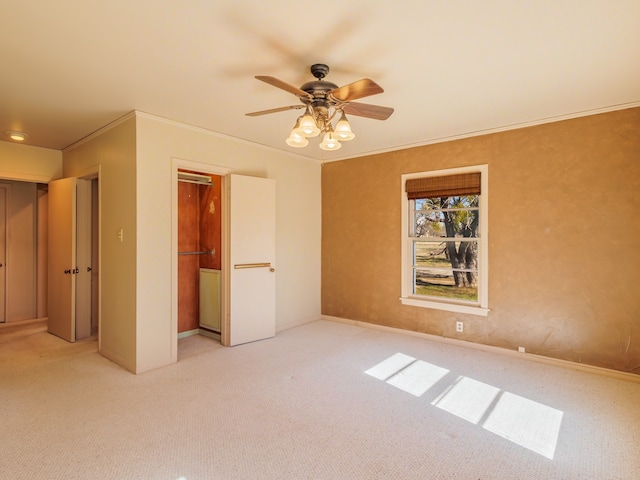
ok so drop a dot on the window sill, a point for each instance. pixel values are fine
(451, 307)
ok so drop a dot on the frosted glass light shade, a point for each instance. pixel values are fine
(296, 140)
(343, 130)
(307, 127)
(329, 142)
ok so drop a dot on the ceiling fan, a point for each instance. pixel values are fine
(323, 102)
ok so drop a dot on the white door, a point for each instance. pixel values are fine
(3, 251)
(62, 258)
(252, 248)
(69, 276)
(83, 259)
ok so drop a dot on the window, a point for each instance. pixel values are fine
(444, 258)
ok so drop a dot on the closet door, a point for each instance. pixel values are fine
(252, 252)
(70, 258)
(62, 258)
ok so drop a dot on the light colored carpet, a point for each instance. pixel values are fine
(321, 401)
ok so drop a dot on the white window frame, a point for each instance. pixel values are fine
(408, 297)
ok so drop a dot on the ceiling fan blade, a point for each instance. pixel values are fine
(365, 110)
(284, 86)
(274, 110)
(359, 89)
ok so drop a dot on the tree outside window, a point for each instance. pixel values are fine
(445, 246)
(444, 259)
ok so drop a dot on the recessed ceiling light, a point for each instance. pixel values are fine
(17, 136)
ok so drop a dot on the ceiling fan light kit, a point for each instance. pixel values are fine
(306, 126)
(296, 140)
(324, 102)
(343, 129)
(329, 142)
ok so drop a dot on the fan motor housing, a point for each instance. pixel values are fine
(318, 88)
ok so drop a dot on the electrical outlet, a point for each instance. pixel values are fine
(459, 327)
(521, 349)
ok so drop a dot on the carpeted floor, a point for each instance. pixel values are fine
(321, 401)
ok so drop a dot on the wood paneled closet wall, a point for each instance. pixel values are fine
(199, 230)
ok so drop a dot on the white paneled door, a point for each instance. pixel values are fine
(67, 300)
(62, 258)
(252, 233)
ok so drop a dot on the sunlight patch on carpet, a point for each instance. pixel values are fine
(530, 424)
(407, 373)
(418, 377)
(527, 423)
(467, 398)
(390, 366)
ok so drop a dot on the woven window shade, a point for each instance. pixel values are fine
(449, 186)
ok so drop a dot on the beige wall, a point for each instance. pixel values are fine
(160, 143)
(113, 152)
(29, 163)
(563, 239)
(26, 279)
(136, 161)
(21, 267)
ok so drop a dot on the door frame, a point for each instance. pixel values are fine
(4, 286)
(182, 164)
(94, 173)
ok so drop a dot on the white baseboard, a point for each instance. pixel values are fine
(630, 377)
(117, 359)
(208, 333)
(188, 333)
(22, 323)
(287, 326)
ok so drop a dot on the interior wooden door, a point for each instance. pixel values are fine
(62, 258)
(252, 215)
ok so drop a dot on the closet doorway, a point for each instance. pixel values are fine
(199, 253)
(243, 217)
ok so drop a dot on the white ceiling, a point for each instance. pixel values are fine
(449, 68)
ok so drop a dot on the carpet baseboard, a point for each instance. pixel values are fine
(295, 324)
(208, 333)
(22, 328)
(629, 377)
(117, 359)
(188, 333)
